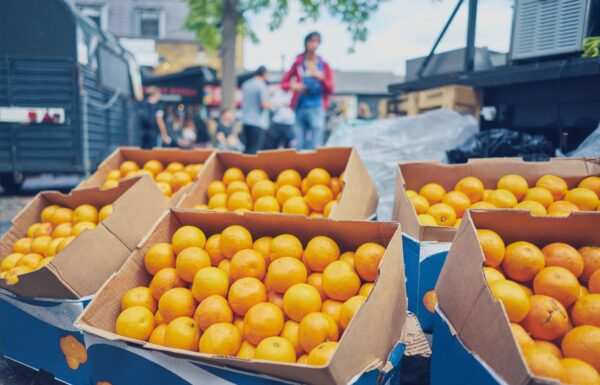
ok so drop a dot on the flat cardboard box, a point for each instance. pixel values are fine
(368, 340)
(359, 198)
(425, 247)
(82, 267)
(464, 296)
(141, 156)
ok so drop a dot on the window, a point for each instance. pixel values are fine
(96, 12)
(150, 23)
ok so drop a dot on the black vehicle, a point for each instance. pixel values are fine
(68, 91)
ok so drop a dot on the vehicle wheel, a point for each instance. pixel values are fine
(12, 183)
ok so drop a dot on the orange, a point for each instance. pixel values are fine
(366, 260)
(139, 296)
(61, 215)
(246, 351)
(444, 214)
(335, 185)
(591, 261)
(534, 207)
(224, 266)
(321, 354)
(320, 252)
(285, 245)
(539, 194)
(433, 192)
(263, 188)
(349, 309)
(426, 220)
(245, 293)
(316, 280)
(482, 205)
(516, 184)
(275, 349)
(189, 261)
(286, 192)
(213, 248)
(289, 177)
(210, 281)
(549, 347)
(556, 185)
(233, 239)
(547, 318)
(187, 236)
(420, 204)
(82, 226)
(255, 176)
(594, 283)
(318, 196)
(215, 187)
(522, 261)
(295, 205)
(33, 228)
(164, 177)
(247, 263)
(165, 189)
(104, 212)
(492, 275)
(459, 201)
(128, 166)
(153, 165)
(212, 310)
(318, 176)
(261, 321)
(562, 206)
(64, 243)
(332, 308)
(10, 261)
(236, 186)
(30, 260)
(175, 303)
(348, 256)
(558, 213)
(135, 322)
(578, 372)
(586, 310)
(158, 335)
(239, 200)
(561, 254)
(175, 167)
(584, 198)
(301, 299)
(492, 246)
(512, 296)
(285, 272)
(47, 213)
(366, 289)
(193, 169)
(221, 339)
(411, 193)
(275, 298)
(339, 281)
(12, 276)
(267, 204)
(232, 174)
(558, 283)
(430, 300)
(583, 342)
(182, 333)
(503, 199)
(316, 328)
(592, 183)
(521, 336)
(159, 256)
(263, 245)
(86, 213)
(472, 187)
(110, 184)
(41, 229)
(542, 363)
(328, 207)
(290, 333)
(163, 281)
(40, 244)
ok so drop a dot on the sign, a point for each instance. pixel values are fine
(28, 115)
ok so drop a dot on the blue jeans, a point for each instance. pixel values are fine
(309, 129)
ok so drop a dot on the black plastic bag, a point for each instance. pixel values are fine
(500, 142)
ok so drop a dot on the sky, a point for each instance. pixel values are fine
(399, 30)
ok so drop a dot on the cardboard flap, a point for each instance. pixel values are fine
(40, 283)
(358, 187)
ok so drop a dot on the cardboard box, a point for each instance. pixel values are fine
(141, 156)
(366, 343)
(358, 201)
(479, 321)
(425, 247)
(40, 310)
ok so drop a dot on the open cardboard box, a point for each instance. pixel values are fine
(141, 156)
(359, 198)
(372, 334)
(425, 247)
(82, 267)
(465, 299)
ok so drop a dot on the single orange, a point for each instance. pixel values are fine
(232, 174)
(584, 198)
(182, 333)
(40, 244)
(339, 281)
(245, 293)
(210, 281)
(522, 261)
(503, 199)
(591, 261)
(153, 165)
(482, 205)
(189, 261)
(426, 220)
(349, 309)
(81, 227)
(318, 196)
(165, 188)
(516, 184)
(159, 256)
(158, 335)
(275, 348)
(366, 289)
(110, 184)
(239, 200)
(221, 339)
(321, 354)
(594, 282)
(534, 207)
(164, 177)
(555, 184)
(433, 192)
(289, 177)
(261, 321)
(547, 318)
(420, 204)
(139, 296)
(521, 336)
(246, 351)
(255, 176)
(558, 283)
(318, 176)
(165, 280)
(235, 238)
(336, 186)
(42, 229)
(515, 300)
(328, 207)
(136, 322)
(578, 372)
(320, 252)
(444, 214)
(430, 300)
(285, 272)
(128, 166)
(176, 302)
(212, 310)
(247, 263)
(366, 260)
(236, 186)
(332, 308)
(10, 261)
(86, 213)
(213, 248)
(472, 187)
(301, 299)
(492, 246)
(540, 195)
(263, 188)
(263, 245)
(586, 310)
(215, 187)
(105, 212)
(563, 255)
(30, 260)
(290, 333)
(563, 206)
(550, 347)
(492, 275)
(542, 363)
(296, 205)
(187, 236)
(459, 201)
(285, 245)
(316, 328)
(592, 183)
(267, 204)
(47, 213)
(583, 342)
(316, 281)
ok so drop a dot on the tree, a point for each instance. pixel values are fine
(218, 22)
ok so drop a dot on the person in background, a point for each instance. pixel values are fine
(254, 110)
(186, 136)
(364, 112)
(311, 79)
(153, 122)
(280, 132)
(202, 135)
(227, 136)
(172, 127)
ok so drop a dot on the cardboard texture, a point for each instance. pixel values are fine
(358, 201)
(465, 299)
(141, 156)
(82, 267)
(367, 341)
(425, 247)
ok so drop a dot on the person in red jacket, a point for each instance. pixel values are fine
(311, 79)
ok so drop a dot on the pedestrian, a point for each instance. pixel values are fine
(311, 79)
(280, 132)
(255, 106)
(152, 120)
(227, 135)
(202, 134)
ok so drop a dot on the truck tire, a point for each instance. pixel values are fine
(12, 183)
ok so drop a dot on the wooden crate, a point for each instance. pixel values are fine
(457, 98)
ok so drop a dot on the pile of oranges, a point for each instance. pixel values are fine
(314, 195)
(549, 196)
(552, 299)
(169, 180)
(58, 226)
(268, 299)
